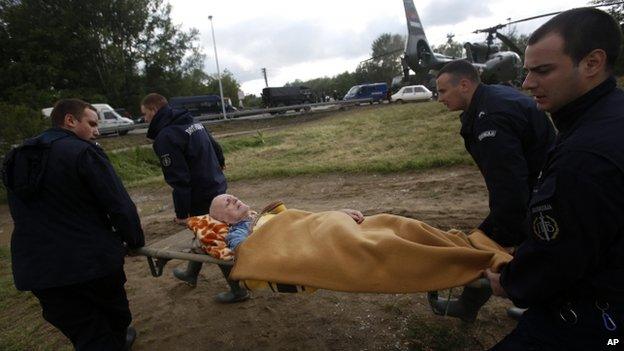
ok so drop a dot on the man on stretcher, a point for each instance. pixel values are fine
(239, 217)
(339, 250)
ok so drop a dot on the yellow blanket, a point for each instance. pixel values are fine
(385, 254)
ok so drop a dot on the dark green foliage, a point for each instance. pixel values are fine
(98, 50)
(385, 64)
(18, 122)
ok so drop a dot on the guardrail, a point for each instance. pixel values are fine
(281, 109)
(218, 117)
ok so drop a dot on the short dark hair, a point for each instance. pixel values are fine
(460, 69)
(154, 101)
(583, 30)
(74, 107)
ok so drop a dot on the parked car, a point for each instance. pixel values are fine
(109, 121)
(412, 93)
(376, 91)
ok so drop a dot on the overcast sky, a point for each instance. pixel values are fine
(311, 39)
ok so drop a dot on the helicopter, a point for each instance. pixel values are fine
(493, 64)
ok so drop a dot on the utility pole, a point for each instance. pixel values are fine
(266, 83)
(214, 43)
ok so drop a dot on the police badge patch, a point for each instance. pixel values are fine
(545, 227)
(165, 160)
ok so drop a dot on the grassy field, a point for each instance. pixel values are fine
(386, 139)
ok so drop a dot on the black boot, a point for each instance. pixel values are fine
(466, 307)
(188, 275)
(236, 293)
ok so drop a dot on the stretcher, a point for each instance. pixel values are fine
(177, 246)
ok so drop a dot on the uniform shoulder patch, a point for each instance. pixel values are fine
(165, 160)
(545, 226)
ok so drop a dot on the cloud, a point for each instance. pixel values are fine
(444, 12)
(278, 44)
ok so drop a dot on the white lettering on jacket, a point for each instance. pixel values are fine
(192, 129)
(487, 134)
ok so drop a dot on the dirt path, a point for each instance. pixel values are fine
(171, 316)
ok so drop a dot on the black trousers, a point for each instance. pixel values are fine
(94, 315)
(543, 329)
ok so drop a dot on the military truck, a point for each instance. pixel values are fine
(286, 96)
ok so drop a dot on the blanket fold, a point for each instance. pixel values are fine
(384, 254)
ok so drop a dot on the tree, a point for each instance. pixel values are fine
(229, 83)
(98, 50)
(520, 40)
(451, 47)
(385, 62)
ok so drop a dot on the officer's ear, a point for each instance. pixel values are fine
(70, 121)
(595, 63)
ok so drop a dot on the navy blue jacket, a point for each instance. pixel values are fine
(72, 227)
(508, 138)
(191, 161)
(576, 246)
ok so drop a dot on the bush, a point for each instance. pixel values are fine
(17, 123)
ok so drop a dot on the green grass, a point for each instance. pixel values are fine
(388, 139)
(21, 324)
(382, 140)
(135, 165)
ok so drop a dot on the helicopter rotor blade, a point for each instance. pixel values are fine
(510, 43)
(382, 55)
(500, 26)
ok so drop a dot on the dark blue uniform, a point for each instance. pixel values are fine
(191, 161)
(570, 272)
(508, 138)
(72, 216)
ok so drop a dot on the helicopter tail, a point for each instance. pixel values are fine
(417, 50)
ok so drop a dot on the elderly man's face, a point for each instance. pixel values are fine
(229, 209)
(553, 78)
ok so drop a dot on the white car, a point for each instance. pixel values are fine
(412, 93)
(109, 121)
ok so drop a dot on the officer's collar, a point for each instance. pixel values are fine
(468, 115)
(161, 120)
(566, 117)
(55, 133)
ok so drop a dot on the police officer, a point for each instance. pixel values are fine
(192, 163)
(508, 138)
(570, 271)
(74, 223)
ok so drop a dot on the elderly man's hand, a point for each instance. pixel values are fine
(495, 284)
(357, 216)
(180, 221)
